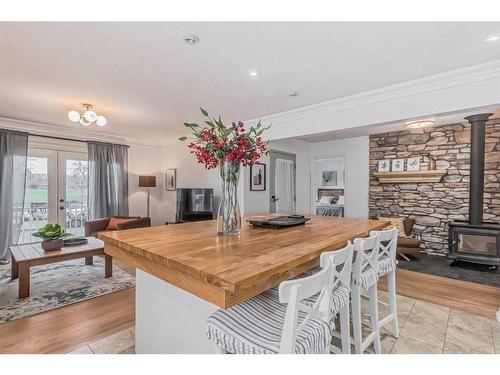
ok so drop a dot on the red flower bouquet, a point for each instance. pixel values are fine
(216, 145)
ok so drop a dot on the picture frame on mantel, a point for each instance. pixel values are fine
(398, 165)
(171, 179)
(258, 177)
(413, 164)
(384, 165)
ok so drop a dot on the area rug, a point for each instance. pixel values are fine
(59, 284)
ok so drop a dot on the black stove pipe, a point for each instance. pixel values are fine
(476, 189)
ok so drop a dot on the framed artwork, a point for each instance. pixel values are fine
(258, 177)
(384, 166)
(413, 164)
(170, 179)
(398, 165)
(329, 178)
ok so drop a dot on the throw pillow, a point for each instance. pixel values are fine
(396, 222)
(325, 200)
(114, 221)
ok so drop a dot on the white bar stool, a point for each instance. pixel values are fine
(341, 261)
(387, 265)
(268, 324)
(365, 278)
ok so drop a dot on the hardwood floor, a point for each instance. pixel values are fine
(475, 298)
(64, 329)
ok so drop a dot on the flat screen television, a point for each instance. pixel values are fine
(194, 204)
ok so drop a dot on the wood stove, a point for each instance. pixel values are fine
(476, 241)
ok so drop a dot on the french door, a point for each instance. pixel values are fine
(55, 192)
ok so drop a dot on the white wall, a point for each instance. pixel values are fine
(257, 202)
(145, 161)
(356, 154)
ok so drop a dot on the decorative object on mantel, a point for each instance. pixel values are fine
(171, 179)
(216, 145)
(384, 165)
(147, 182)
(432, 162)
(258, 177)
(52, 236)
(398, 165)
(88, 118)
(409, 176)
(413, 164)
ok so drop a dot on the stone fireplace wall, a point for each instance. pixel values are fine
(433, 205)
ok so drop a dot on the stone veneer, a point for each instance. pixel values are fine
(434, 205)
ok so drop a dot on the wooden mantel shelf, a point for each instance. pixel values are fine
(409, 176)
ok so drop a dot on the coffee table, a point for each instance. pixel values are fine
(29, 255)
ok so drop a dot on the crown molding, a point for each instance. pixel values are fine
(459, 77)
(51, 130)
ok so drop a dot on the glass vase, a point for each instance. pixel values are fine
(229, 215)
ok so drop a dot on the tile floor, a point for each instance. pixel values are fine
(425, 328)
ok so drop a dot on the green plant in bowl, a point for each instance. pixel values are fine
(52, 235)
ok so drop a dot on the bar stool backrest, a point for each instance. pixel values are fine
(292, 292)
(341, 259)
(388, 242)
(365, 256)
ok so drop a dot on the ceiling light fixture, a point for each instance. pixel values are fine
(253, 73)
(88, 118)
(293, 94)
(420, 124)
(492, 38)
(191, 39)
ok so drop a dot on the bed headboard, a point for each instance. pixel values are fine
(330, 193)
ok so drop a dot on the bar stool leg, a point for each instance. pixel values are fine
(374, 322)
(344, 329)
(391, 281)
(356, 318)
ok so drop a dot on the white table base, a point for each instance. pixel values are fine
(169, 319)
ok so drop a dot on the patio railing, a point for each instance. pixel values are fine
(35, 215)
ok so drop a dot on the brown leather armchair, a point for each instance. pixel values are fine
(93, 227)
(408, 245)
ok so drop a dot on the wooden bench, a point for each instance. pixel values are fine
(28, 255)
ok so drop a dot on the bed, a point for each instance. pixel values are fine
(330, 202)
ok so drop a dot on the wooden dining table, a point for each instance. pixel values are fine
(186, 271)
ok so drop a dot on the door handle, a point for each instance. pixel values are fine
(61, 207)
(274, 199)
(61, 200)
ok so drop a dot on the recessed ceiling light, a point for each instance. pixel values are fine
(191, 39)
(420, 124)
(253, 73)
(492, 38)
(293, 94)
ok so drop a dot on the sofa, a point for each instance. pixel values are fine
(93, 227)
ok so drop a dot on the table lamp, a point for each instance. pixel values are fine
(147, 182)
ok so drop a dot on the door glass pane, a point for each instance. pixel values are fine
(76, 196)
(35, 199)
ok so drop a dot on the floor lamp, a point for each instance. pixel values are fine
(147, 182)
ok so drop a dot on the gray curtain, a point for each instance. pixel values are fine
(13, 157)
(108, 180)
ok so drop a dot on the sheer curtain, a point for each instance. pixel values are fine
(108, 180)
(284, 185)
(13, 157)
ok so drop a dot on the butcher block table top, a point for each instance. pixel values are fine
(226, 270)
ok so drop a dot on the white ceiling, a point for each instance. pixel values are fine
(446, 119)
(147, 81)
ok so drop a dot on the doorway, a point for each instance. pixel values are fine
(282, 182)
(55, 192)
